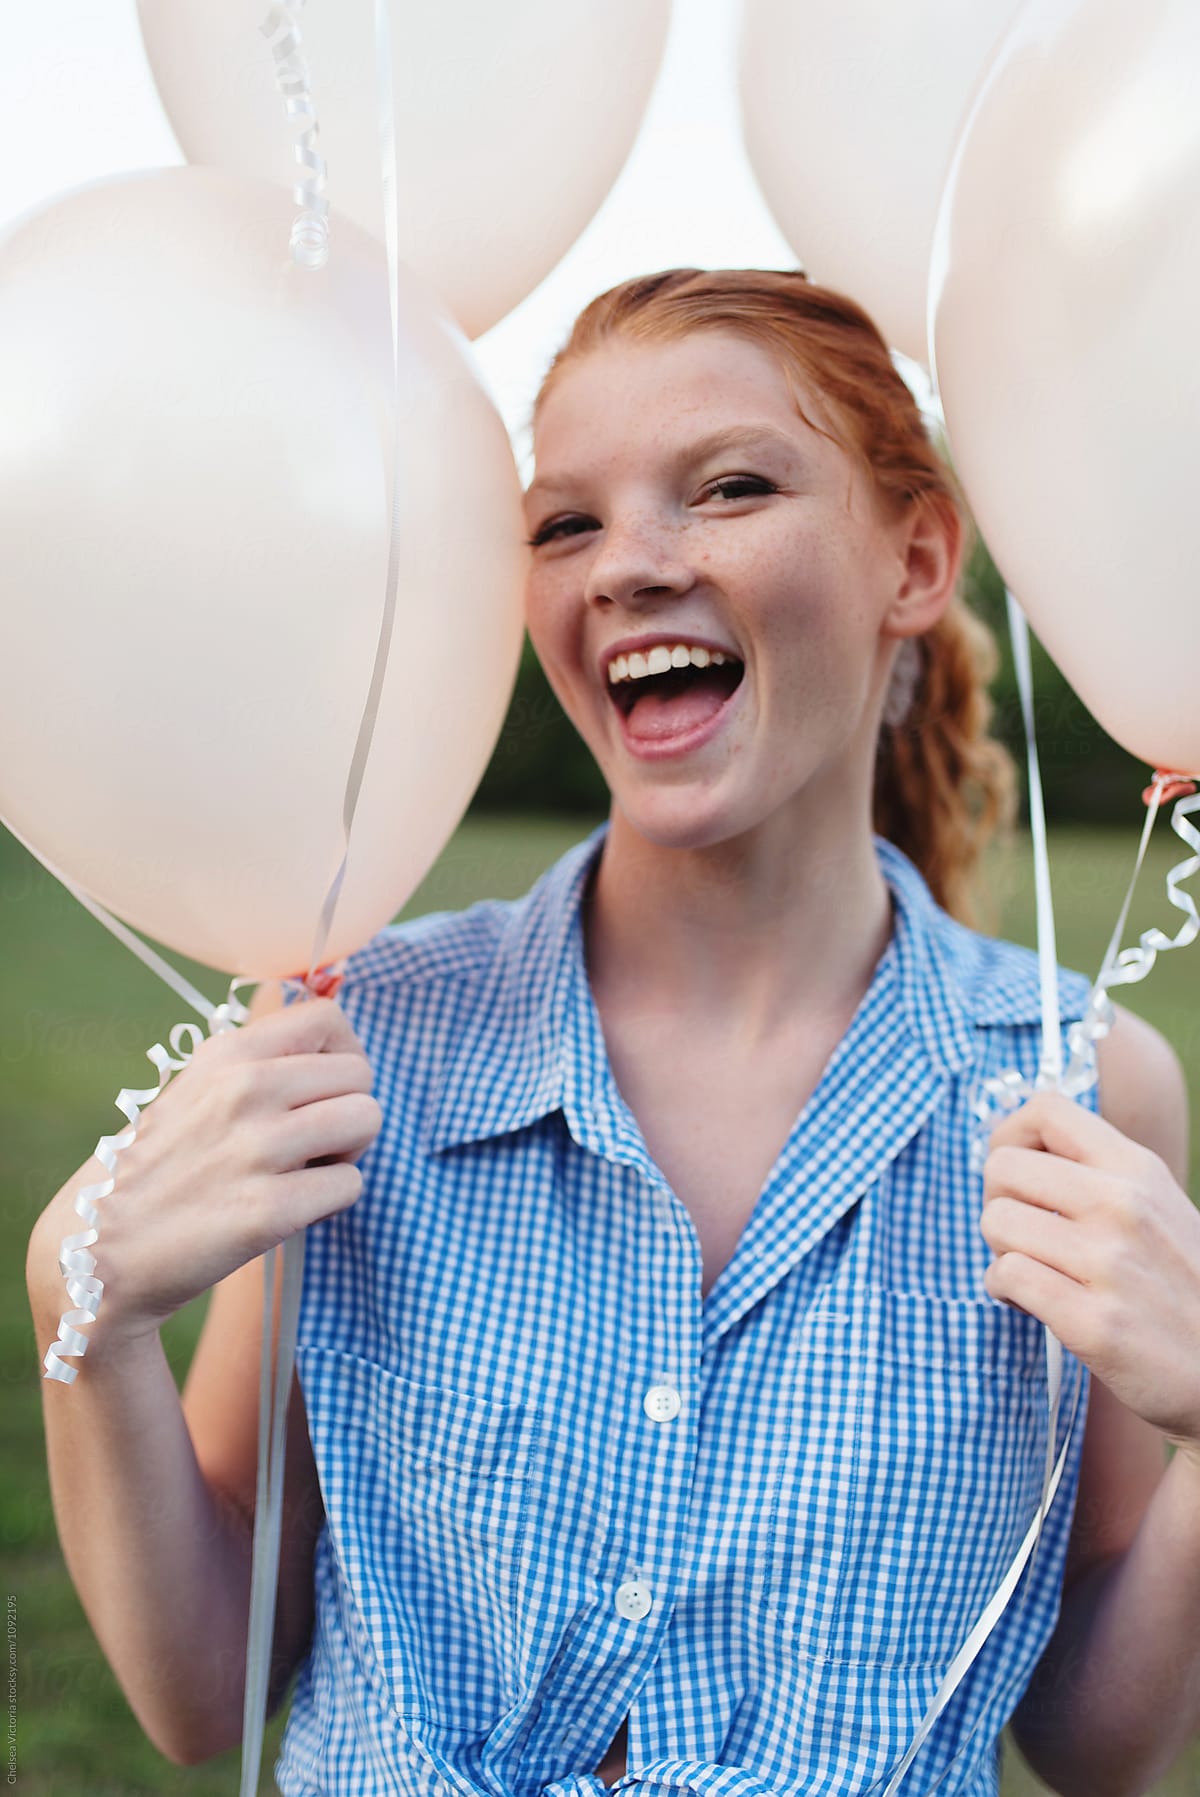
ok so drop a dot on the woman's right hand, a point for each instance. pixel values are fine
(256, 1138)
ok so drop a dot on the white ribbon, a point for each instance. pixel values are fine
(76, 1263)
(1006, 1091)
(271, 1440)
(310, 232)
(1121, 967)
(309, 246)
(309, 243)
(1051, 1061)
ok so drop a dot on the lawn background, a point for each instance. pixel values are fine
(78, 1013)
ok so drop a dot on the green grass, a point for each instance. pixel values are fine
(79, 1012)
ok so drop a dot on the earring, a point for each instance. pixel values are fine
(906, 678)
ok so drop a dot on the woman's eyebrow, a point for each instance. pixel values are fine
(735, 436)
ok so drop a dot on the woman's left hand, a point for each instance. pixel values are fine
(1094, 1237)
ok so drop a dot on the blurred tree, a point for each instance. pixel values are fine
(540, 762)
(1086, 776)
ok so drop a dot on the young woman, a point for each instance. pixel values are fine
(671, 1394)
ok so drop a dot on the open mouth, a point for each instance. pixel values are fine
(679, 699)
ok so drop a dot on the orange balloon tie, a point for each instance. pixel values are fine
(324, 982)
(1176, 786)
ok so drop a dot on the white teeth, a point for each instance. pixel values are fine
(662, 657)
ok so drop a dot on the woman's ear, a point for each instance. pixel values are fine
(930, 544)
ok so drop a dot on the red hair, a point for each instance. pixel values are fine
(943, 785)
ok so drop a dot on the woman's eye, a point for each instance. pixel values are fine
(754, 482)
(734, 486)
(551, 530)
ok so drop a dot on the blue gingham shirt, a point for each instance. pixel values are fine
(561, 1486)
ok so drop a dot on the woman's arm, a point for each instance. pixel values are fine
(220, 1404)
(153, 1497)
(157, 1561)
(1115, 1698)
(157, 1545)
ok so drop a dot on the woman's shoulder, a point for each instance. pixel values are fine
(458, 947)
(437, 946)
(1001, 980)
(996, 981)
(1144, 1089)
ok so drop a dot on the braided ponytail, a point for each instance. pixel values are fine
(943, 785)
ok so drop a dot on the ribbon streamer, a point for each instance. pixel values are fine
(75, 1261)
(154, 961)
(78, 1266)
(310, 232)
(1049, 1074)
(1121, 967)
(1006, 1091)
(993, 1610)
(269, 1487)
(309, 246)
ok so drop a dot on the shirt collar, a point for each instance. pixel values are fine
(520, 1055)
(534, 1043)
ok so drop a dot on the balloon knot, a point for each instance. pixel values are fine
(1168, 786)
(324, 981)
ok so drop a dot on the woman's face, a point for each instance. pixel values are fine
(679, 499)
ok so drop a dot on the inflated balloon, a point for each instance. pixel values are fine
(195, 473)
(512, 122)
(849, 112)
(1063, 313)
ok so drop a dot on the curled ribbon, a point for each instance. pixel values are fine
(1008, 1090)
(310, 232)
(1005, 1092)
(309, 245)
(1121, 967)
(268, 1507)
(310, 249)
(77, 1263)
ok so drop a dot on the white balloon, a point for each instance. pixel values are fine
(1063, 296)
(195, 471)
(849, 111)
(512, 122)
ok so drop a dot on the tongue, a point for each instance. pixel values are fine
(659, 714)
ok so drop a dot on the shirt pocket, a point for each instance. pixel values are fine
(426, 1494)
(912, 1470)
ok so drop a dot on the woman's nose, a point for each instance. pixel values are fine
(639, 559)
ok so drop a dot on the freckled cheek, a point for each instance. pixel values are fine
(544, 611)
(804, 650)
(797, 610)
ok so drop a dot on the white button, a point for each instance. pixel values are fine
(633, 1599)
(661, 1403)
